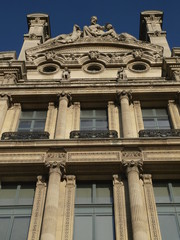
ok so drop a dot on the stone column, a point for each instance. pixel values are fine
(138, 213)
(4, 102)
(64, 100)
(38, 209)
(51, 209)
(119, 209)
(124, 98)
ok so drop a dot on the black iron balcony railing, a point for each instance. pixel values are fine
(160, 133)
(24, 135)
(94, 134)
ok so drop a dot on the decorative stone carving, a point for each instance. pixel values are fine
(131, 155)
(24, 135)
(130, 165)
(160, 133)
(10, 78)
(55, 159)
(50, 55)
(69, 208)
(37, 21)
(125, 94)
(66, 74)
(176, 75)
(38, 209)
(66, 96)
(94, 55)
(151, 208)
(119, 209)
(137, 53)
(94, 134)
(121, 75)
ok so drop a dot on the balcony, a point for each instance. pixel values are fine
(94, 134)
(24, 135)
(160, 133)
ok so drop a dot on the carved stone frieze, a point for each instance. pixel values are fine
(21, 158)
(93, 157)
(131, 155)
(161, 155)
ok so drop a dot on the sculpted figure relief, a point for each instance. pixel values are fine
(93, 31)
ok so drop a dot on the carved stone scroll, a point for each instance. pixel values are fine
(69, 208)
(151, 208)
(119, 209)
(38, 208)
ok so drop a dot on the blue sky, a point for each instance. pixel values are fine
(123, 15)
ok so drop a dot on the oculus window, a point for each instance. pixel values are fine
(156, 118)
(32, 121)
(16, 202)
(95, 119)
(167, 196)
(94, 218)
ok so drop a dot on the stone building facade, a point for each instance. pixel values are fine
(90, 134)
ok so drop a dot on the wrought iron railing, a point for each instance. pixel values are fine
(94, 134)
(159, 133)
(24, 135)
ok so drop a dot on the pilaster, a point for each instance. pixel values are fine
(4, 104)
(138, 115)
(38, 209)
(119, 209)
(12, 118)
(174, 114)
(76, 116)
(51, 120)
(151, 208)
(68, 222)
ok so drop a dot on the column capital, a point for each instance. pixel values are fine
(124, 94)
(132, 165)
(117, 180)
(40, 181)
(147, 178)
(65, 96)
(56, 162)
(70, 180)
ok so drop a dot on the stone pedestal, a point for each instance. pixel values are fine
(138, 213)
(62, 116)
(52, 200)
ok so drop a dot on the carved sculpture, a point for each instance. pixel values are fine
(66, 73)
(121, 75)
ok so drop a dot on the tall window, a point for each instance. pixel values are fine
(94, 212)
(167, 195)
(155, 118)
(16, 202)
(32, 121)
(95, 119)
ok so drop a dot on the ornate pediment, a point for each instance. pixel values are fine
(89, 38)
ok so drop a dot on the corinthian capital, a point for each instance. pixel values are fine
(133, 165)
(65, 96)
(124, 94)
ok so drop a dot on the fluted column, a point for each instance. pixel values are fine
(124, 98)
(64, 99)
(138, 214)
(51, 209)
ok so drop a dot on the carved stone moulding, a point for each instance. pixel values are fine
(24, 135)
(160, 133)
(94, 134)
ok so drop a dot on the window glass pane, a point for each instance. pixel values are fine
(147, 112)
(7, 195)
(103, 193)
(39, 125)
(26, 195)
(161, 112)
(161, 193)
(83, 228)
(101, 125)
(176, 191)
(24, 124)
(163, 123)
(168, 226)
(101, 113)
(86, 124)
(104, 229)
(20, 228)
(27, 114)
(40, 114)
(149, 124)
(83, 193)
(4, 225)
(87, 113)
